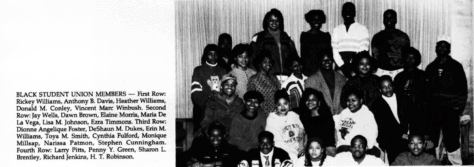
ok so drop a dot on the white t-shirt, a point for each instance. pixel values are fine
(346, 159)
(288, 131)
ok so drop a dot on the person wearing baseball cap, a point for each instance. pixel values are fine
(225, 105)
(448, 96)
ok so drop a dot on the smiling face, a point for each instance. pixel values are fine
(358, 148)
(283, 106)
(443, 49)
(266, 64)
(242, 60)
(273, 23)
(312, 102)
(251, 106)
(364, 67)
(211, 57)
(228, 87)
(265, 145)
(416, 145)
(326, 63)
(316, 22)
(315, 150)
(354, 103)
(216, 137)
(387, 88)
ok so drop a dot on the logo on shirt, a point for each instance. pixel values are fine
(291, 133)
(346, 126)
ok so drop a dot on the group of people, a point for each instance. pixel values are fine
(260, 104)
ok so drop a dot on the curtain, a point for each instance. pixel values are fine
(199, 23)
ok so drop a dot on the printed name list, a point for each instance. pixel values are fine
(86, 125)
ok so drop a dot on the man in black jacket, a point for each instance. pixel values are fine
(267, 154)
(448, 96)
(389, 114)
(213, 150)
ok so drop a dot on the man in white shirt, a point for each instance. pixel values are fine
(348, 38)
(357, 156)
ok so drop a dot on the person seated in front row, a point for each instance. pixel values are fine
(417, 154)
(355, 120)
(249, 123)
(266, 154)
(213, 150)
(357, 155)
(315, 154)
(286, 126)
(294, 85)
(224, 106)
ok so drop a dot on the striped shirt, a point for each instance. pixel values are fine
(356, 39)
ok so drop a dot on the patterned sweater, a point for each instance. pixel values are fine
(267, 86)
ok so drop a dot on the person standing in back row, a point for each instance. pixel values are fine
(276, 41)
(388, 44)
(348, 39)
(313, 40)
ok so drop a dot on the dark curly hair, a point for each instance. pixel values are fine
(414, 52)
(310, 15)
(281, 94)
(324, 51)
(323, 107)
(361, 55)
(240, 49)
(252, 94)
(289, 62)
(260, 57)
(352, 91)
(276, 13)
(222, 37)
(208, 48)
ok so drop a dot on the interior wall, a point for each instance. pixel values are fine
(462, 50)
